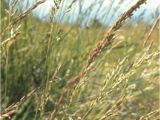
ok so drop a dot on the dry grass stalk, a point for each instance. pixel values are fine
(9, 39)
(111, 32)
(151, 115)
(57, 3)
(151, 30)
(107, 40)
(21, 16)
(48, 86)
(12, 109)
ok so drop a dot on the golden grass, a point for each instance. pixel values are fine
(56, 72)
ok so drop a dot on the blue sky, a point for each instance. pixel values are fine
(105, 11)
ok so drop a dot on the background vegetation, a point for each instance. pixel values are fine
(39, 58)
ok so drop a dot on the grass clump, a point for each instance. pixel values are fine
(55, 71)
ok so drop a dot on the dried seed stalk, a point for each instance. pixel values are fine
(12, 109)
(151, 30)
(23, 15)
(107, 40)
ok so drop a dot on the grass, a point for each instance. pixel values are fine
(58, 71)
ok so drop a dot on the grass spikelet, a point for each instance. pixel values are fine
(100, 46)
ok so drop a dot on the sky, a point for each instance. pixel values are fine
(105, 11)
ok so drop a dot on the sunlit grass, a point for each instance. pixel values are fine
(121, 83)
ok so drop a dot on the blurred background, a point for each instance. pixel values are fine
(103, 11)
